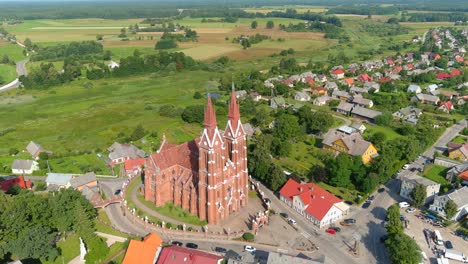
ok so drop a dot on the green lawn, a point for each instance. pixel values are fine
(7, 73)
(80, 164)
(436, 173)
(13, 51)
(345, 194)
(389, 133)
(459, 139)
(70, 248)
(302, 158)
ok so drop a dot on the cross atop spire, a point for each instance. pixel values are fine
(210, 115)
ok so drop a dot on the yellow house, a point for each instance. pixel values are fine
(458, 151)
(337, 142)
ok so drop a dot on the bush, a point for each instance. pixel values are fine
(170, 110)
(40, 186)
(13, 151)
(248, 236)
(166, 44)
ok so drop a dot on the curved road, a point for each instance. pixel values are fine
(20, 70)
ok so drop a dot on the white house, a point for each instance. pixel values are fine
(413, 88)
(113, 65)
(410, 179)
(314, 203)
(302, 96)
(61, 180)
(322, 100)
(24, 166)
(459, 196)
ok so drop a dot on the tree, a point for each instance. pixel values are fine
(286, 127)
(34, 242)
(245, 43)
(340, 171)
(99, 37)
(13, 151)
(254, 24)
(5, 59)
(193, 114)
(383, 119)
(166, 44)
(403, 249)
(197, 95)
(28, 44)
(43, 156)
(451, 209)
(318, 173)
(395, 226)
(138, 133)
(270, 24)
(418, 195)
(97, 250)
(277, 177)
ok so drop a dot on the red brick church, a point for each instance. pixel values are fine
(207, 176)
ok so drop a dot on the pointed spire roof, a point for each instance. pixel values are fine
(234, 113)
(210, 115)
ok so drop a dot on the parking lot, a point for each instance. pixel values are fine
(416, 230)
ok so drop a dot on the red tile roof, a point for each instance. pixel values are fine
(337, 71)
(464, 175)
(349, 81)
(365, 77)
(317, 200)
(385, 79)
(185, 155)
(20, 181)
(443, 76)
(455, 72)
(134, 163)
(143, 252)
(410, 66)
(447, 104)
(180, 255)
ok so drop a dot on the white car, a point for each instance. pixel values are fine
(292, 221)
(249, 248)
(411, 210)
(404, 204)
(406, 166)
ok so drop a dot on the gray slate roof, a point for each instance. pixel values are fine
(355, 143)
(118, 150)
(459, 196)
(83, 179)
(58, 178)
(345, 106)
(407, 175)
(22, 164)
(364, 112)
(34, 149)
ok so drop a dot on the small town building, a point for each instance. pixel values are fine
(302, 96)
(314, 203)
(8, 182)
(364, 78)
(458, 151)
(331, 86)
(59, 180)
(80, 181)
(241, 94)
(256, 96)
(24, 166)
(431, 88)
(427, 98)
(250, 130)
(277, 102)
(34, 149)
(341, 95)
(363, 102)
(413, 88)
(372, 86)
(410, 114)
(144, 252)
(358, 90)
(410, 179)
(364, 113)
(447, 106)
(344, 108)
(348, 81)
(113, 65)
(337, 74)
(336, 142)
(322, 100)
(134, 167)
(119, 153)
(459, 197)
(182, 255)
(359, 126)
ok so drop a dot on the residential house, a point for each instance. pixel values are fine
(413, 88)
(347, 129)
(344, 108)
(308, 80)
(288, 82)
(372, 86)
(455, 72)
(459, 197)
(176, 255)
(322, 78)
(119, 153)
(458, 151)
(322, 100)
(358, 126)
(357, 90)
(144, 252)
(363, 102)
(279, 258)
(397, 69)
(443, 76)
(34, 149)
(427, 98)
(58, 180)
(364, 113)
(337, 142)
(80, 181)
(348, 81)
(341, 95)
(449, 94)
(241, 94)
(277, 102)
(364, 78)
(250, 130)
(390, 61)
(337, 74)
(256, 96)
(408, 67)
(410, 179)
(9, 182)
(318, 91)
(331, 86)
(24, 166)
(431, 88)
(409, 57)
(302, 96)
(447, 106)
(314, 203)
(134, 167)
(409, 114)
(113, 65)
(464, 177)
(456, 171)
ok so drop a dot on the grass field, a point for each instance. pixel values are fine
(436, 173)
(389, 133)
(303, 157)
(15, 53)
(7, 73)
(460, 139)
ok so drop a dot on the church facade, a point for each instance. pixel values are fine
(207, 176)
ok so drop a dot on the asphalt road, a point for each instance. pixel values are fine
(20, 70)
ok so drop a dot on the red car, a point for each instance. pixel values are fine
(331, 231)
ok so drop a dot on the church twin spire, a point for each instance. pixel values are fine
(233, 113)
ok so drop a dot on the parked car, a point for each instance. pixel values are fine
(337, 229)
(404, 204)
(402, 217)
(249, 248)
(331, 231)
(177, 243)
(406, 166)
(448, 244)
(371, 198)
(118, 192)
(381, 190)
(285, 215)
(191, 245)
(220, 250)
(343, 223)
(267, 200)
(292, 221)
(366, 205)
(350, 221)
(411, 210)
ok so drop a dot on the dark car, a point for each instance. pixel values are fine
(267, 200)
(448, 244)
(118, 192)
(337, 229)
(381, 190)
(383, 238)
(371, 198)
(350, 221)
(220, 250)
(285, 215)
(402, 217)
(191, 245)
(177, 243)
(366, 205)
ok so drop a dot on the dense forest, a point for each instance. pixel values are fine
(437, 17)
(364, 10)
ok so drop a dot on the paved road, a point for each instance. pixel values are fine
(445, 138)
(20, 70)
(21, 67)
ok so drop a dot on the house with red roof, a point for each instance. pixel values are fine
(390, 61)
(134, 167)
(314, 203)
(181, 255)
(348, 81)
(385, 79)
(397, 69)
(337, 74)
(443, 75)
(408, 67)
(455, 72)
(364, 78)
(143, 252)
(16, 181)
(446, 106)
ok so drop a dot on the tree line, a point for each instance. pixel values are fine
(364, 10)
(67, 50)
(437, 17)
